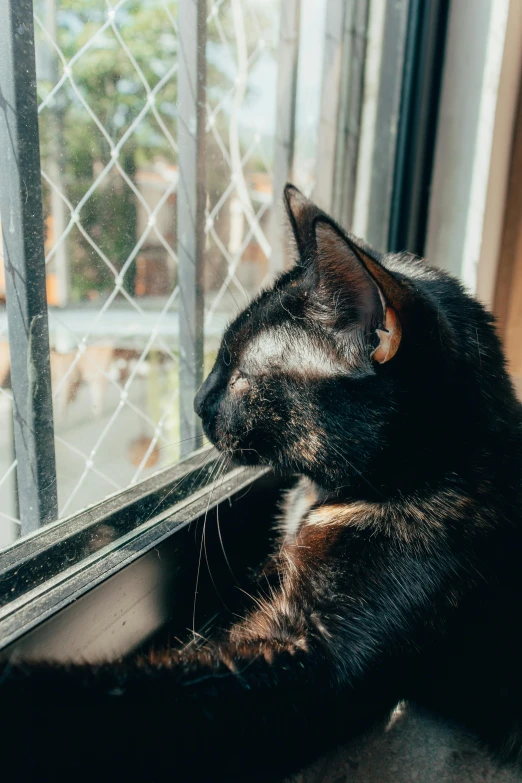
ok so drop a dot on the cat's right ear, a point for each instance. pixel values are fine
(301, 213)
(352, 289)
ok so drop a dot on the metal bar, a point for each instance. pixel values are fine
(55, 163)
(416, 135)
(21, 210)
(433, 51)
(402, 152)
(12, 458)
(350, 111)
(387, 121)
(191, 207)
(287, 61)
(330, 103)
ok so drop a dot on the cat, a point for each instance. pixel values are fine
(397, 575)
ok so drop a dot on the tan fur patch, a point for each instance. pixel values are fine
(339, 514)
(410, 520)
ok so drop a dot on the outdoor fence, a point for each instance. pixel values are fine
(143, 165)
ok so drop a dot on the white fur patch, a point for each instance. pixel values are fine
(298, 502)
(293, 351)
(411, 267)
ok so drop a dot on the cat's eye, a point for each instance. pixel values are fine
(238, 382)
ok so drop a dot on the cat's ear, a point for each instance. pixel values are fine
(352, 287)
(301, 213)
(350, 284)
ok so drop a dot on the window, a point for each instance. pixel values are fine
(156, 193)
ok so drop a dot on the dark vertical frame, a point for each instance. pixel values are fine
(191, 207)
(22, 226)
(422, 79)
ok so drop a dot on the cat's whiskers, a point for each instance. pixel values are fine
(213, 471)
(215, 468)
(242, 450)
(222, 475)
(218, 471)
(221, 541)
(175, 487)
(172, 443)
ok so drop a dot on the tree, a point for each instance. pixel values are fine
(115, 86)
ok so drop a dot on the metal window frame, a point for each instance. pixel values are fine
(192, 25)
(23, 240)
(179, 581)
(421, 87)
(107, 537)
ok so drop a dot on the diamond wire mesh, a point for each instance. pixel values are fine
(107, 92)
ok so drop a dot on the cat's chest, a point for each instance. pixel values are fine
(296, 506)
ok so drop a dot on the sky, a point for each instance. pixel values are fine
(259, 113)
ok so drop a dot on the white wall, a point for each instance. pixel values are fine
(478, 102)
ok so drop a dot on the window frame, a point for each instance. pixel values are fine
(31, 569)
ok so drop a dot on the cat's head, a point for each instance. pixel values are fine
(347, 370)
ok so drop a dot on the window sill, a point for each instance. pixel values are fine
(123, 585)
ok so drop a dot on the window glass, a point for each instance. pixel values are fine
(107, 81)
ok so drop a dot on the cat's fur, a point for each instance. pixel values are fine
(398, 572)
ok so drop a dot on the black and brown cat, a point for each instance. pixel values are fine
(398, 573)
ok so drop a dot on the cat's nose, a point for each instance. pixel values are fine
(204, 392)
(199, 400)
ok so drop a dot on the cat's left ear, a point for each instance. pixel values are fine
(353, 287)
